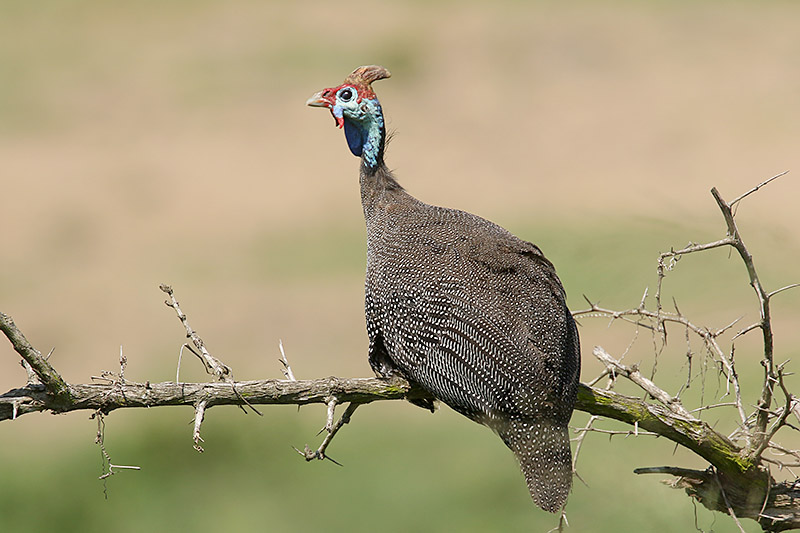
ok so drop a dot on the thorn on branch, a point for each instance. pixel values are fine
(199, 415)
(111, 471)
(123, 362)
(287, 370)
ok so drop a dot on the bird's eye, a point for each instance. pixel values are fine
(346, 95)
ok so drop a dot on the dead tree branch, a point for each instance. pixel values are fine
(737, 482)
(46, 375)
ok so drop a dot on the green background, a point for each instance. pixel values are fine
(168, 142)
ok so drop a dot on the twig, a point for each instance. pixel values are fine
(562, 523)
(111, 468)
(757, 187)
(706, 407)
(319, 453)
(786, 288)
(632, 373)
(785, 412)
(746, 330)
(628, 433)
(213, 365)
(579, 440)
(764, 402)
(108, 467)
(661, 317)
(674, 471)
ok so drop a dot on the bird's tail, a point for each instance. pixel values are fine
(542, 449)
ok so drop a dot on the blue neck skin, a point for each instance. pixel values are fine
(366, 134)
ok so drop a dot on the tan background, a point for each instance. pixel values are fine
(168, 142)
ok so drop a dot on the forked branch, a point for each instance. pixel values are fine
(737, 483)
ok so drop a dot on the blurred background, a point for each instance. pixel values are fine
(168, 142)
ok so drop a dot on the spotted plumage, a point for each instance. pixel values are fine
(458, 305)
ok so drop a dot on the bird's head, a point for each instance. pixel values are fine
(355, 108)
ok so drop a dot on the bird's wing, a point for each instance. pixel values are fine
(466, 357)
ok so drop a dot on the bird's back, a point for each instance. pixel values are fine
(477, 317)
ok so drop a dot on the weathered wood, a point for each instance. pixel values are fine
(113, 395)
(693, 434)
(44, 371)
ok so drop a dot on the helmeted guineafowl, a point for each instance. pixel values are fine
(463, 308)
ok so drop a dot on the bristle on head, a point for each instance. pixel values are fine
(364, 76)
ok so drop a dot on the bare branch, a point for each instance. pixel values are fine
(108, 396)
(214, 366)
(786, 288)
(661, 317)
(47, 375)
(738, 483)
(332, 429)
(612, 433)
(765, 442)
(632, 373)
(757, 187)
(764, 403)
(579, 440)
(695, 435)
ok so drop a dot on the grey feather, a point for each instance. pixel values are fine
(463, 308)
(476, 317)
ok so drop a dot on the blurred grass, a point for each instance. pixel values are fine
(404, 469)
(168, 142)
(411, 472)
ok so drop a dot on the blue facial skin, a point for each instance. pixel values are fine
(363, 126)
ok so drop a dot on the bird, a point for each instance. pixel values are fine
(462, 308)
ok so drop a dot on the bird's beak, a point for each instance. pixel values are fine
(325, 98)
(319, 100)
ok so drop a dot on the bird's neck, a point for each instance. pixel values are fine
(379, 190)
(366, 134)
(366, 138)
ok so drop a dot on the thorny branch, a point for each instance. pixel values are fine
(725, 490)
(770, 378)
(738, 482)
